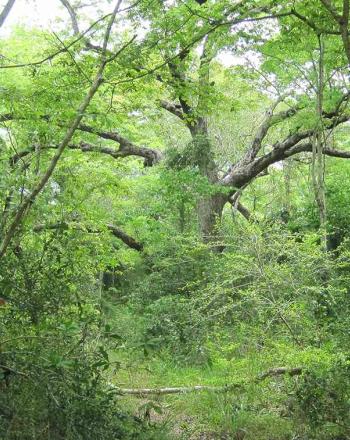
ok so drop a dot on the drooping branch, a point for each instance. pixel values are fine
(5, 12)
(141, 392)
(114, 230)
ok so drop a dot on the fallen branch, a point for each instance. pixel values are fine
(280, 371)
(141, 392)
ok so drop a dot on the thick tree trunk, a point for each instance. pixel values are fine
(209, 210)
(209, 207)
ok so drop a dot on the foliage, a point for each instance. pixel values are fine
(132, 266)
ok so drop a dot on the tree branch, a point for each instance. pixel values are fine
(150, 156)
(244, 211)
(114, 230)
(127, 148)
(175, 109)
(242, 173)
(307, 148)
(313, 26)
(269, 120)
(30, 198)
(73, 16)
(127, 239)
(5, 12)
(141, 392)
(331, 9)
(53, 55)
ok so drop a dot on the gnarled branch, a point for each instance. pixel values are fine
(127, 148)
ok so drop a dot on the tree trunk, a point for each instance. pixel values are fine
(209, 207)
(209, 210)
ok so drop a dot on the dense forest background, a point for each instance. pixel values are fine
(174, 221)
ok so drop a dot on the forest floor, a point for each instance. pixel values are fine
(255, 411)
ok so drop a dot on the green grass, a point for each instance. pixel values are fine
(259, 410)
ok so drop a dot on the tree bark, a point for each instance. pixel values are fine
(5, 12)
(209, 207)
(209, 210)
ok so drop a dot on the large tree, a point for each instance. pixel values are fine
(170, 68)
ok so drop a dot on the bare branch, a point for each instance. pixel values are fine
(141, 392)
(5, 12)
(73, 16)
